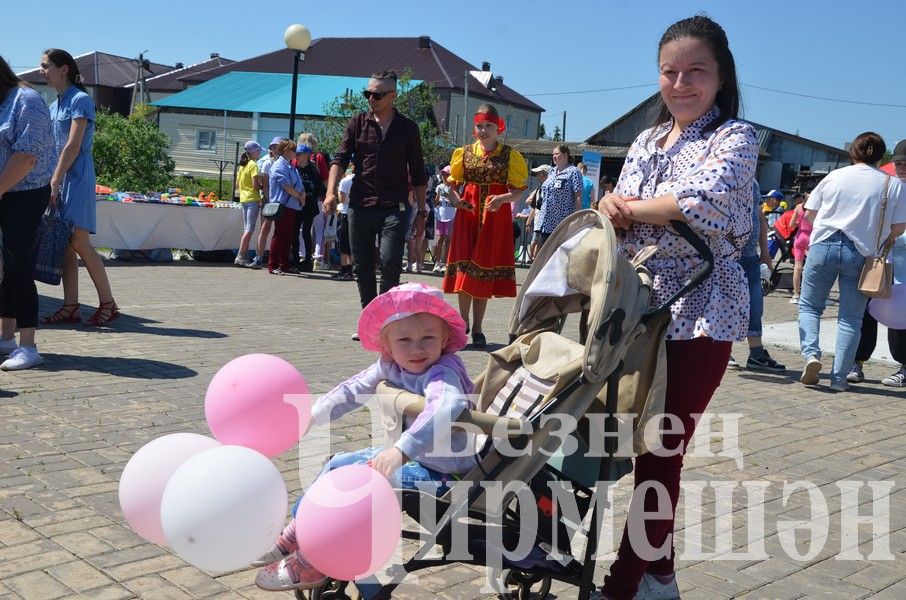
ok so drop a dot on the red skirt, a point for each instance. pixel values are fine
(481, 261)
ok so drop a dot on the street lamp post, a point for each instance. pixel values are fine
(297, 38)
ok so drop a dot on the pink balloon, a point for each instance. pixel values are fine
(146, 475)
(890, 311)
(247, 404)
(349, 522)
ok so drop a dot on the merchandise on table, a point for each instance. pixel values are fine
(171, 196)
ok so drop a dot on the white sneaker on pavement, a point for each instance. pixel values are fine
(649, 589)
(8, 346)
(23, 357)
(810, 373)
(652, 589)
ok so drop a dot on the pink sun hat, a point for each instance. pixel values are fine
(404, 301)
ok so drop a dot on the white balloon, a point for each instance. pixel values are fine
(223, 508)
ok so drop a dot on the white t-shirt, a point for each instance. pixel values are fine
(345, 186)
(264, 165)
(443, 210)
(849, 200)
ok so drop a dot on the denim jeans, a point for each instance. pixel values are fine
(408, 477)
(833, 259)
(365, 225)
(752, 267)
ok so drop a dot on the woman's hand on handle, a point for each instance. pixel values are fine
(616, 208)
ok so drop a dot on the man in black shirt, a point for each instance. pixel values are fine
(386, 149)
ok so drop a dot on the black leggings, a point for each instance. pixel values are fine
(895, 337)
(20, 217)
(307, 220)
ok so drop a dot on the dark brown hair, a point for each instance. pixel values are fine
(8, 79)
(62, 57)
(868, 148)
(564, 149)
(244, 159)
(706, 30)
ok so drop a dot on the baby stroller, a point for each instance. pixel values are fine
(619, 373)
(781, 247)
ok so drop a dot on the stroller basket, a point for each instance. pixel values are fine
(540, 375)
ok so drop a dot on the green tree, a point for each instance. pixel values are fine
(131, 153)
(413, 101)
(557, 137)
(542, 134)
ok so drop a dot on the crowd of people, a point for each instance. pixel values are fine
(375, 198)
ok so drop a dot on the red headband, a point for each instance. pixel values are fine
(487, 118)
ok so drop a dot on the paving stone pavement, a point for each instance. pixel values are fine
(68, 428)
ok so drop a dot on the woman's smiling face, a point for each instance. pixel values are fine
(689, 78)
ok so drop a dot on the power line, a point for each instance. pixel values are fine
(757, 87)
(844, 101)
(613, 89)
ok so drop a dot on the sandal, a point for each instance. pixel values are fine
(68, 313)
(106, 312)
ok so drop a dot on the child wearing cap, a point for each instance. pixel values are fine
(417, 335)
(249, 185)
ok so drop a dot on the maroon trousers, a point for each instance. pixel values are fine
(694, 370)
(284, 228)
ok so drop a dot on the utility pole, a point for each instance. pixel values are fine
(465, 106)
(563, 131)
(139, 89)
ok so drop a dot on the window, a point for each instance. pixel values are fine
(206, 139)
(525, 127)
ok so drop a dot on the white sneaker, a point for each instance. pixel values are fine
(23, 357)
(242, 262)
(7, 347)
(649, 589)
(810, 373)
(794, 300)
(898, 379)
(652, 589)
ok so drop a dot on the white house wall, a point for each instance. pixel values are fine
(182, 130)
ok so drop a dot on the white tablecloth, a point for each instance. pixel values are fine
(140, 226)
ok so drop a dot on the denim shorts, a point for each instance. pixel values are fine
(250, 212)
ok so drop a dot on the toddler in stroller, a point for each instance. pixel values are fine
(417, 334)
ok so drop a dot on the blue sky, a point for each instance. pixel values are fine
(829, 49)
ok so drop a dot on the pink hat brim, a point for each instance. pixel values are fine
(375, 315)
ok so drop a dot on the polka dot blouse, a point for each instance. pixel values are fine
(710, 174)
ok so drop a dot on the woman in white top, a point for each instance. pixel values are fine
(845, 210)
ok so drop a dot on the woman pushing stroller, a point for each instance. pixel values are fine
(695, 165)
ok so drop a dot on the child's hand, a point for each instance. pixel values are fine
(388, 461)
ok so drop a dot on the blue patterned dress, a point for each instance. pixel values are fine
(77, 196)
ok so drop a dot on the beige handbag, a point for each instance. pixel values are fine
(876, 279)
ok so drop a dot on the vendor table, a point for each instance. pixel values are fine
(142, 226)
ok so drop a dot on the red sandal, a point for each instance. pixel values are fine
(106, 312)
(68, 313)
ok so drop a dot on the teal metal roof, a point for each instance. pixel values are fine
(265, 93)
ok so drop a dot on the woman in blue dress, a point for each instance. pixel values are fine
(72, 187)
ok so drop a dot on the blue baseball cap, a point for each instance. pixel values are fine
(303, 149)
(774, 194)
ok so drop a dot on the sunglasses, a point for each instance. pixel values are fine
(376, 95)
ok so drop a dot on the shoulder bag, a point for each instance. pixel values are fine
(876, 279)
(272, 211)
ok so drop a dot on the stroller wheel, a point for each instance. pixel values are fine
(331, 590)
(521, 585)
(766, 287)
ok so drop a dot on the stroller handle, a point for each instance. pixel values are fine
(685, 232)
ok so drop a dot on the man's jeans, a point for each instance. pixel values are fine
(827, 260)
(365, 224)
(752, 267)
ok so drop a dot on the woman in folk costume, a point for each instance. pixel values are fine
(480, 263)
